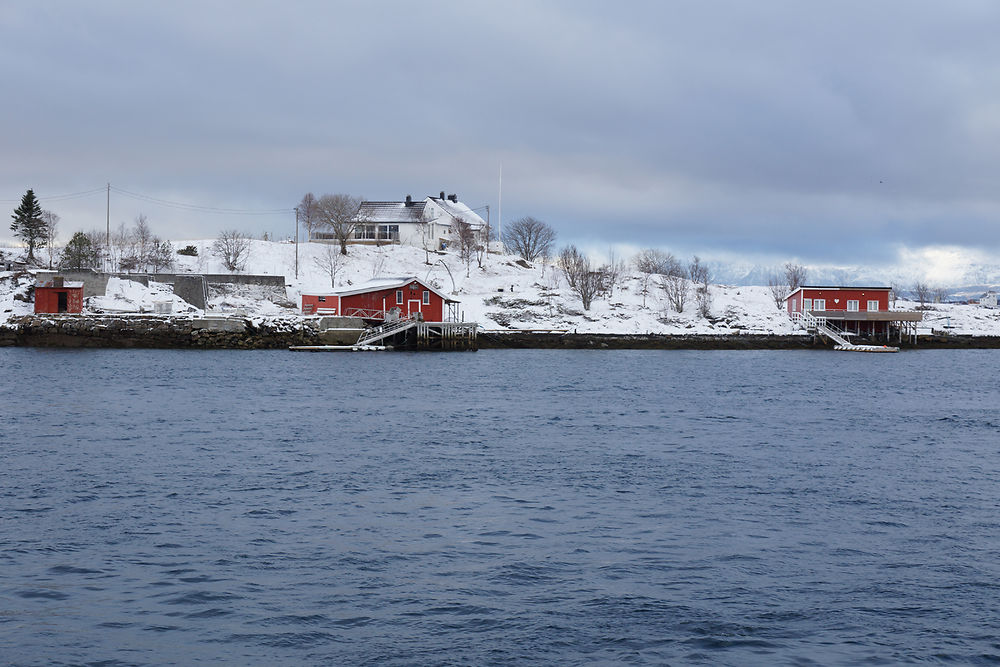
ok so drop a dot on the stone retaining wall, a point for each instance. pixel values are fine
(159, 332)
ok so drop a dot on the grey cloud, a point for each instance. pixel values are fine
(822, 131)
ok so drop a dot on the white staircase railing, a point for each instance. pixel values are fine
(810, 322)
(370, 336)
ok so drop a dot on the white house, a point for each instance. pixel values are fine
(422, 224)
(989, 300)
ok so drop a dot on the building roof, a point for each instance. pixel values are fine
(396, 212)
(837, 288)
(378, 284)
(457, 209)
(71, 284)
(390, 211)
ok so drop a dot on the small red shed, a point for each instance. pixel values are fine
(858, 310)
(375, 299)
(59, 296)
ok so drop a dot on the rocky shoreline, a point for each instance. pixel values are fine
(241, 333)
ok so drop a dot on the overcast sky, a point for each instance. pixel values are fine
(829, 132)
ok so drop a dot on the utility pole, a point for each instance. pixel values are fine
(296, 242)
(107, 242)
(500, 209)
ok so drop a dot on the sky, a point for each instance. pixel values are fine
(849, 132)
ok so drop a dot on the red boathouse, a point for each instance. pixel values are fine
(854, 310)
(382, 298)
(59, 296)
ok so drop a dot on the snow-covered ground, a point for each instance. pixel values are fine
(503, 293)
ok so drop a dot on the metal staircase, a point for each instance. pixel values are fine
(371, 336)
(819, 325)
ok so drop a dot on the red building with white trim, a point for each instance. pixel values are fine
(855, 310)
(381, 298)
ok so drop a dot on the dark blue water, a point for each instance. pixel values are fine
(502, 507)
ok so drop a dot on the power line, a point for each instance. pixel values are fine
(154, 200)
(65, 197)
(196, 207)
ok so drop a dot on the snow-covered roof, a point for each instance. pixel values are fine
(457, 209)
(378, 284)
(396, 212)
(73, 284)
(376, 212)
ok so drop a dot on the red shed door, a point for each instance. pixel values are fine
(413, 306)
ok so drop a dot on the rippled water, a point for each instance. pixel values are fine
(502, 507)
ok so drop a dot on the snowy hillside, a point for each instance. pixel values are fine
(504, 293)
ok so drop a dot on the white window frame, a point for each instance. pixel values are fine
(807, 304)
(399, 297)
(819, 304)
(873, 305)
(427, 297)
(853, 305)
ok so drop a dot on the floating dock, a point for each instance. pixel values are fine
(339, 348)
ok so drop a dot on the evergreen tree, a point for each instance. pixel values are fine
(80, 253)
(29, 225)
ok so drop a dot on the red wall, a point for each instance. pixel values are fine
(310, 302)
(836, 299)
(47, 299)
(386, 299)
(382, 300)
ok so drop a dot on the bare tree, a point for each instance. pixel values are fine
(585, 282)
(329, 262)
(795, 276)
(700, 276)
(940, 294)
(233, 248)
(652, 262)
(51, 221)
(161, 254)
(142, 241)
(614, 272)
(779, 289)
(308, 212)
(341, 215)
(894, 294)
(529, 238)
(792, 277)
(465, 241)
(922, 292)
(570, 262)
(675, 288)
(116, 246)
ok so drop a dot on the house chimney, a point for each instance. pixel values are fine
(409, 200)
(453, 198)
(442, 195)
(57, 281)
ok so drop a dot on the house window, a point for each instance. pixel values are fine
(322, 299)
(365, 232)
(427, 297)
(873, 306)
(388, 232)
(399, 297)
(852, 305)
(807, 304)
(819, 304)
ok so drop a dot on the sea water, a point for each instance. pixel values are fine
(499, 507)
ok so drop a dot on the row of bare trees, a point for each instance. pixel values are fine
(126, 249)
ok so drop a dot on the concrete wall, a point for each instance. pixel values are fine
(96, 283)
